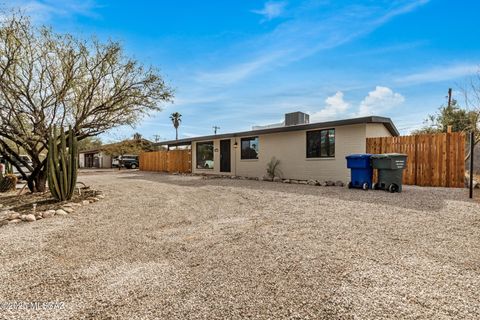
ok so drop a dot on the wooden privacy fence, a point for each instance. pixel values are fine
(436, 160)
(167, 161)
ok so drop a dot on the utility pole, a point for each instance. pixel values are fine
(215, 128)
(156, 137)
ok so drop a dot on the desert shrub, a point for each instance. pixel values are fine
(8, 182)
(272, 168)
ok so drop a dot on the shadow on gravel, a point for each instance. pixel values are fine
(413, 197)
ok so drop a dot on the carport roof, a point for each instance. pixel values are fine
(387, 122)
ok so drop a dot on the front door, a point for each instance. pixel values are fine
(225, 156)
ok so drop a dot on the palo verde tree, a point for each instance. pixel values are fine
(49, 79)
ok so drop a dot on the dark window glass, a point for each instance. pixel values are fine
(249, 148)
(321, 143)
(205, 155)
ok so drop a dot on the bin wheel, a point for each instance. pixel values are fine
(349, 185)
(365, 186)
(393, 188)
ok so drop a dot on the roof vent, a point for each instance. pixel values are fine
(296, 118)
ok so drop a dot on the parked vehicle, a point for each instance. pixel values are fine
(129, 161)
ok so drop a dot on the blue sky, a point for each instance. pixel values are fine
(235, 64)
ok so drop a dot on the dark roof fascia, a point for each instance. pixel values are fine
(387, 122)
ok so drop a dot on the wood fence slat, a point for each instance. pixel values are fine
(167, 161)
(433, 160)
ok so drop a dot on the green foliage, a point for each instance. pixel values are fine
(8, 168)
(272, 168)
(89, 143)
(176, 120)
(8, 182)
(133, 146)
(459, 118)
(62, 167)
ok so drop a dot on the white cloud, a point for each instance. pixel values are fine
(441, 73)
(271, 10)
(335, 106)
(378, 101)
(306, 34)
(43, 11)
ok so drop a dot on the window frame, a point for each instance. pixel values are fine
(320, 147)
(213, 154)
(250, 139)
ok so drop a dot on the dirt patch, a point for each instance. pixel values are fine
(181, 247)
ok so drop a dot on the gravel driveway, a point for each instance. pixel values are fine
(180, 247)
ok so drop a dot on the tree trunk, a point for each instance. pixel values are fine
(38, 182)
(176, 133)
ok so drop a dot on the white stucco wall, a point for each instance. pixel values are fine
(290, 149)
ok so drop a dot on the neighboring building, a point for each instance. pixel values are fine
(306, 151)
(99, 158)
(95, 158)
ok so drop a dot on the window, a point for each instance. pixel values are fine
(205, 155)
(249, 148)
(321, 143)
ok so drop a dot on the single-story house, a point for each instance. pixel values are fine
(305, 150)
(95, 158)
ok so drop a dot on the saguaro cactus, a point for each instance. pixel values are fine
(62, 164)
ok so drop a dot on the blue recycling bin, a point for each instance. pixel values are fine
(361, 171)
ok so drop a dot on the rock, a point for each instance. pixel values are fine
(39, 217)
(311, 182)
(302, 182)
(68, 210)
(265, 178)
(85, 202)
(68, 205)
(294, 181)
(30, 218)
(76, 204)
(231, 177)
(318, 183)
(14, 215)
(48, 214)
(286, 181)
(61, 212)
(14, 221)
(329, 183)
(277, 179)
(339, 183)
(23, 217)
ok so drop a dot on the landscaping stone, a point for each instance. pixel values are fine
(302, 182)
(85, 202)
(30, 218)
(277, 179)
(14, 221)
(48, 214)
(286, 181)
(311, 182)
(294, 181)
(266, 178)
(329, 183)
(61, 212)
(23, 217)
(14, 215)
(318, 183)
(68, 210)
(339, 183)
(68, 205)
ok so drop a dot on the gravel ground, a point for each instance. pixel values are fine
(180, 247)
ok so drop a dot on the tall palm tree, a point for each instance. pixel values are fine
(176, 120)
